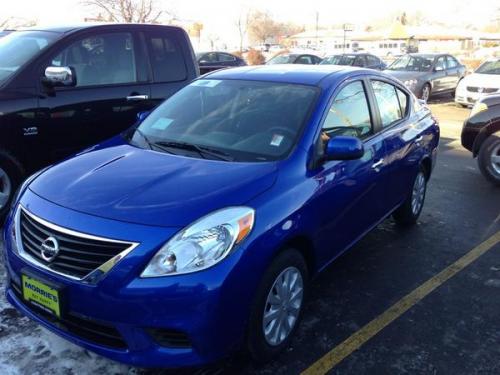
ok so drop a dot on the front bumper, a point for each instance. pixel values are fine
(125, 317)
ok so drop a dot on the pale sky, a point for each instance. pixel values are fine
(219, 16)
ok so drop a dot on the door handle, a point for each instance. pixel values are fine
(419, 139)
(137, 97)
(378, 164)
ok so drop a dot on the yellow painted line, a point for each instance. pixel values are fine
(360, 337)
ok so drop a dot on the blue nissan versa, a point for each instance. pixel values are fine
(194, 234)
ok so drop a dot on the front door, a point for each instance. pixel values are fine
(350, 192)
(106, 99)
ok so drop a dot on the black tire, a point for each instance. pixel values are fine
(406, 214)
(423, 92)
(490, 145)
(260, 350)
(11, 171)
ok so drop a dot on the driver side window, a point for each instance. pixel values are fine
(349, 113)
(104, 59)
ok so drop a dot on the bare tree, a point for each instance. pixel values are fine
(15, 23)
(242, 24)
(261, 26)
(133, 11)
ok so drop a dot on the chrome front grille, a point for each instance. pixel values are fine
(78, 255)
(484, 90)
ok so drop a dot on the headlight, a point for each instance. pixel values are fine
(24, 186)
(478, 107)
(202, 244)
(410, 82)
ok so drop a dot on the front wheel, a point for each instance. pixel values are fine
(278, 306)
(425, 94)
(408, 213)
(489, 159)
(10, 177)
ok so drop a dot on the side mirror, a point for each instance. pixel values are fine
(438, 69)
(141, 116)
(59, 76)
(344, 148)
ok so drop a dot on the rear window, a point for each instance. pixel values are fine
(167, 59)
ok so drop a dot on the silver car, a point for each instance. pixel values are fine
(428, 74)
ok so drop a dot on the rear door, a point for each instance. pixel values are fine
(401, 137)
(169, 69)
(111, 89)
(453, 71)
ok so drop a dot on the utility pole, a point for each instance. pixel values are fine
(317, 23)
(347, 27)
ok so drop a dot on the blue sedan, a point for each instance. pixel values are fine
(196, 232)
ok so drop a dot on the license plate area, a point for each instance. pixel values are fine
(42, 294)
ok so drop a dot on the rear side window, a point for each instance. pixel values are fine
(225, 57)
(167, 59)
(388, 101)
(349, 113)
(372, 60)
(304, 60)
(452, 63)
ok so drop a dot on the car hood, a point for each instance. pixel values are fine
(403, 75)
(146, 187)
(482, 80)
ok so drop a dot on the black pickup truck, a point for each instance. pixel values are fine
(63, 89)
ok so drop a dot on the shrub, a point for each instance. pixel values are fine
(255, 57)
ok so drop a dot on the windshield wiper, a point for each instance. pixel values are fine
(201, 150)
(152, 145)
(145, 137)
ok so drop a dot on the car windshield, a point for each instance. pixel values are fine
(489, 67)
(282, 59)
(412, 63)
(19, 47)
(231, 120)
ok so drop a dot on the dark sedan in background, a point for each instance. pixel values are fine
(360, 59)
(481, 136)
(210, 61)
(294, 58)
(428, 74)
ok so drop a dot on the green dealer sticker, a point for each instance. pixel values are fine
(41, 295)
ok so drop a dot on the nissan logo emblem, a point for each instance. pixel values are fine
(50, 249)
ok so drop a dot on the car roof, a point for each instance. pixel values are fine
(286, 73)
(430, 55)
(63, 29)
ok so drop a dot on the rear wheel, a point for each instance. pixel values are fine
(489, 159)
(10, 177)
(408, 213)
(278, 306)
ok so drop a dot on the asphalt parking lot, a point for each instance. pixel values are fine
(452, 328)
